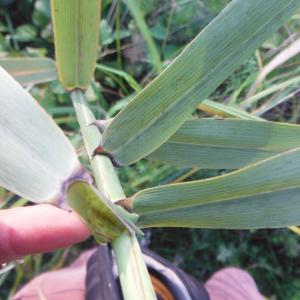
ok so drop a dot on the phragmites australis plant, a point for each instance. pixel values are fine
(40, 164)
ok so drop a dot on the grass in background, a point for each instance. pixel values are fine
(125, 65)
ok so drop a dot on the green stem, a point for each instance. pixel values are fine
(133, 274)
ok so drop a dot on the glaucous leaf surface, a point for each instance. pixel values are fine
(29, 70)
(263, 195)
(36, 158)
(226, 144)
(162, 107)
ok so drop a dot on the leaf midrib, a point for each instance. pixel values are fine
(233, 147)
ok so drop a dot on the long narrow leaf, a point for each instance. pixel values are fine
(76, 33)
(226, 111)
(272, 210)
(161, 108)
(263, 195)
(292, 50)
(226, 144)
(272, 90)
(279, 172)
(130, 80)
(30, 70)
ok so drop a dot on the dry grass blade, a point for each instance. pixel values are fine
(292, 50)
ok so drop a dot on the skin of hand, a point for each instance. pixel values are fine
(36, 229)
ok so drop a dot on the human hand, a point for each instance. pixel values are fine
(35, 229)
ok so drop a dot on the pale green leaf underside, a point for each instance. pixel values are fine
(35, 156)
(76, 33)
(263, 195)
(161, 108)
(273, 210)
(99, 214)
(226, 144)
(29, 70)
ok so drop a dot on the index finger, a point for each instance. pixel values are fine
(39, 228)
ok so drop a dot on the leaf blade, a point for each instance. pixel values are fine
(263, 195)
(225, 111)
(274, 210)
(76, 35)
(28, 70)
(35, 156)
(226, 144)
(278, 172)
(156, 113)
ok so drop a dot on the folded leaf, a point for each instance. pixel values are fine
(263, 195)
(226, 144)
(76, 33)
(36, 159)
(161, 108)
(101, 215)
(30, 70)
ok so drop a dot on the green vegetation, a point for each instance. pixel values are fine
(131, 55)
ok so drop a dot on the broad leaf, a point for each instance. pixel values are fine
(226, 144)
(263, 195)
(36, 159)
(28, 70)
(162, 107)
(76, 33)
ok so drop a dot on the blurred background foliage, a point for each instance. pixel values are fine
(124, 67)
